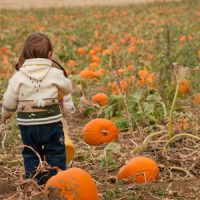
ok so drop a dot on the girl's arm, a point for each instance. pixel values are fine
(63, 84)
(10, 98)
(68, 105)
(64, 94)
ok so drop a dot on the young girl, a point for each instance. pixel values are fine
(33, 93)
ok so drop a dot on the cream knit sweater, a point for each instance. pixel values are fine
(33, 93)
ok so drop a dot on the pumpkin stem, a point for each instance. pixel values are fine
(104, 132)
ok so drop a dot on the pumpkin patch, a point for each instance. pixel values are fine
(135, 85)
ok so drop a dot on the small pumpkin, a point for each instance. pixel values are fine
(92, 52)
(68, 71)
(88, 74)
(101, 99)
(80, 51)
(93, 65)
(131, 49)
(107, 52)
(143, 73)
(140, 170)
(100, 131)
(197, 98)
(95, 59)
(72, 184)
(121, 71)
(71, 63)
(185, 86)
(101, 71)
(184, 38)
(98, 49)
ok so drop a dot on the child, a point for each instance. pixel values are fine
(33, 93)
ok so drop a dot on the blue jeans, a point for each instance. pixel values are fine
(48, 141)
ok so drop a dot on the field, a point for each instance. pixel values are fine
(146, 59)
(19, 4)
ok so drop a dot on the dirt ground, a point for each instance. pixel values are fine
(7, 188)
(17, 4)
(176, 190)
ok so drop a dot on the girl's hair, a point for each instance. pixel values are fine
(37, 45)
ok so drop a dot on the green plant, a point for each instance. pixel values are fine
(180, 74)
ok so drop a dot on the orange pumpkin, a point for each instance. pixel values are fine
(185, 87)
(143, 73)
(114, 87)
(146, 78)
(124, 85)
(80, 51)
(121, 71)
(130, 68)
(101, 71)
(198, 53)
(184, 38)
(92, 52)
(150, 57)
(72, 184)
(139, 169)
(93, 65)
(71, 63)
(101, 99)
(97, 49)
(131, 49)
(197, 98)
(107, 52)
(88, 74)
(68, 71)
(100, 131)
(95, 59)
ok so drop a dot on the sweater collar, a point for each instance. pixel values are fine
(37, 61)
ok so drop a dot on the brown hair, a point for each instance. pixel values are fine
(37, 45)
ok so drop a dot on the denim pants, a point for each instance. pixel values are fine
(48, 141)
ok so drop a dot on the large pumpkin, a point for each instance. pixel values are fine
(72, 184)
(140, 170)
(101, 99)
(100, 131)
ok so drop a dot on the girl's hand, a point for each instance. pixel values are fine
(61, 104)
(4, 119)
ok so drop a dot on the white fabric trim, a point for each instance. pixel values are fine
(40, 119)
(36, 123)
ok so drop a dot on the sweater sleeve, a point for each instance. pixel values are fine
(64, 84)
(68, 105)
(10, 97)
